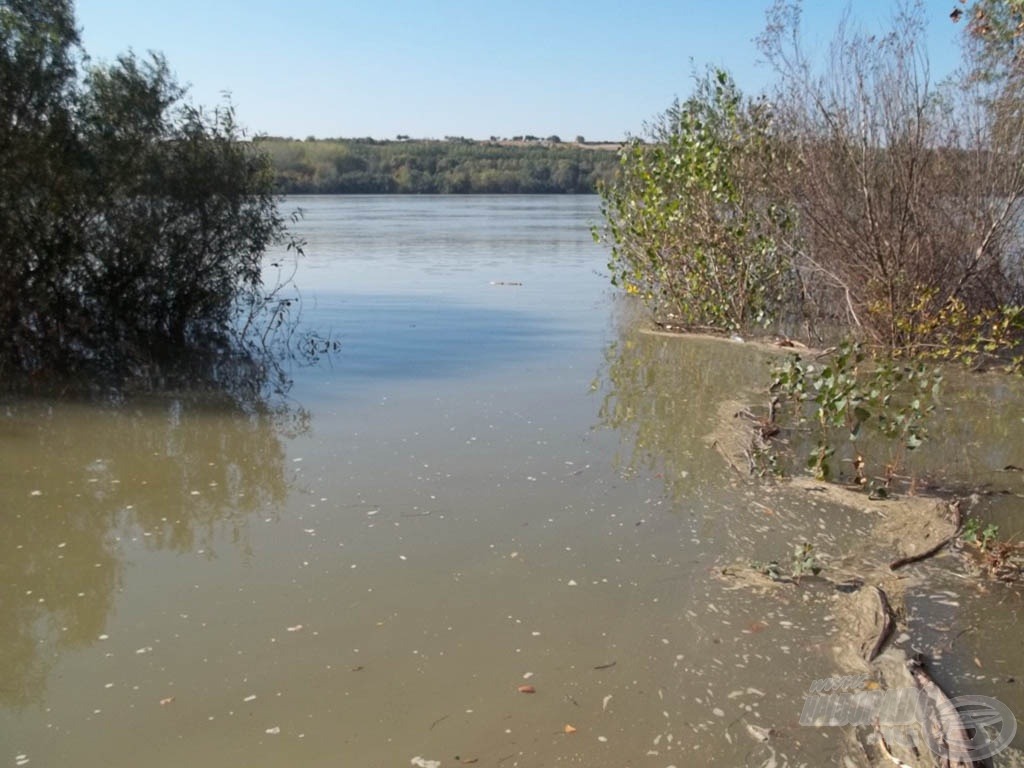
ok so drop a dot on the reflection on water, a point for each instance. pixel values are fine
(388, 337)
(669, 396)
(80, 481)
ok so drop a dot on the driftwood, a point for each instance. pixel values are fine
(942, 739)
(943, 726)
(885, 626)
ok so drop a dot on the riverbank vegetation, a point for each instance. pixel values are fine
(856, 197)
(132, 223)
(453, 166)
(857, 204)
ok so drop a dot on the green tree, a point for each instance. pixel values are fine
(693, 227)
(995, 35)
(132, 224)
(39, 176)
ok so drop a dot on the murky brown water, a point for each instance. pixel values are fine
(490, 486)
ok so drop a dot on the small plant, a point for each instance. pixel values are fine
(802, 563)
(974, 533)
(850, 391)
(771, 569)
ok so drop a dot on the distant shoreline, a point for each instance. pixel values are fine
(454, 166)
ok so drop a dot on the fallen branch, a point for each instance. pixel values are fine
(954, 507)
(887, 625)
(943, 726)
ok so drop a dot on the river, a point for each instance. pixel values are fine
(485, 529)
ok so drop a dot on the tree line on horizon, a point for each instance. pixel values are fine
(419, 166)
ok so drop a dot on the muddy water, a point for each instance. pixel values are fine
(493, 483)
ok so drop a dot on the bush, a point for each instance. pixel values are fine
(132, 224)
(909, 193)
(858, 196)
(693, 226)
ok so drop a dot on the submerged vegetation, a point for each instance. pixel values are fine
(849, 399)
(132, 223)
(452, 166)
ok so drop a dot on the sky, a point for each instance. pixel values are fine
(435, 68)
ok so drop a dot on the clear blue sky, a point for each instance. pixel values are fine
(431, 68)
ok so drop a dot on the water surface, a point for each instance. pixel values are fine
(492, 483)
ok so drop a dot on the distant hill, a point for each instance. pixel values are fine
(521, 165)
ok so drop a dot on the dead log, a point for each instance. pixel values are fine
(885, 623)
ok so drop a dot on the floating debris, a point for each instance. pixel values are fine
(758, 733)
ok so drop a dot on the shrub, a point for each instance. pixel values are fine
(693, 226)
(908, 193)
(132, 224)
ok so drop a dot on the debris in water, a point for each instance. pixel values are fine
(569, 729)
(296, 628)
(526, 689)
(420, 762)
(604, 702)
(274, 731)
(758, 733)
(250, 697)
(165, 701)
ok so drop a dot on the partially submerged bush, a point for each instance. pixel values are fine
(862, 411)
(910, 194)
(693, 225)
(894, 205)
(132, 224)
